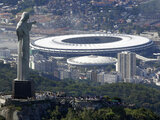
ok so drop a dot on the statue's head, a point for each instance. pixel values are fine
(25, 16)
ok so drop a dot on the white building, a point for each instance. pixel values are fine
(110, 78)
(5, 53)
(113, 77)
(75, 73)
(100, 77)
(92, 75)
(64, 74)
(127, 65)
(41, 64)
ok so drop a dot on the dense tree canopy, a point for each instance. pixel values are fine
(146, 96)
(110, 113)
(2, 118)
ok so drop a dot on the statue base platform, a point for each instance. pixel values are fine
(22, 89)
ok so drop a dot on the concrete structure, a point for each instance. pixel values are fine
(90, 44)
(112, 77)
(75, 73)
(127, 65)
(23, 89)
(89, 66)
(144, 59)
(22, 30)
(91, 60)
(100, 77)
(5, 53)
(65, 74)
(43, 65)
(92, 75)
(22, 86)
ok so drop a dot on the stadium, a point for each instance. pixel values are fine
(91, 60)
(91, 44)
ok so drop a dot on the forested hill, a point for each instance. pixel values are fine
(110, 113)
(32, 2)
(137, 94)
(150, 7)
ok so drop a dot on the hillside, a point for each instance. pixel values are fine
(151, 7)
(110, 113)
(35, 2)
(139, 95)
(73, 108)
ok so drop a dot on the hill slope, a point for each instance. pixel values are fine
(151, 7)
(138, 94)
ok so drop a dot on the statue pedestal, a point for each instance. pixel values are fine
(22, 89)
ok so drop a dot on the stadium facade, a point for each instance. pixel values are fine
(91, 44)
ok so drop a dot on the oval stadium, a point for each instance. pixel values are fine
(90, 44)
(91, 60)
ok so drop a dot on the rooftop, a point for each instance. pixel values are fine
(91, 60)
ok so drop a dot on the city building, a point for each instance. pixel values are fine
(5, 53)
(100, 77)
(92, 75)
(127, 65)
(41, 64)
(90, 65)
(110, 78)
(64, 74)
(104, 77)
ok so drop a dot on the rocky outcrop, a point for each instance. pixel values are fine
(9, 114)
(27, 112)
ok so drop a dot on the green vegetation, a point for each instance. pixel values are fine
(13, 107)
(110, 113)
(7, 74)
(2, 118)
(139, 95)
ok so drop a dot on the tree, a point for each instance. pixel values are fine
(55, 114)
(141, 114)
(2, 118)
(106, 114)
(71, 115)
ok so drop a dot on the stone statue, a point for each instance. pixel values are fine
(23, 28)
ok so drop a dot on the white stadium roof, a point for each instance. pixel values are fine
(91, 60)
(59, 44)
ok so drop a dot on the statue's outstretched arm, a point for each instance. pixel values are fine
(30, 24)
(34, 22)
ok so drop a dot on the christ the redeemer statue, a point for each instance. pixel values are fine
(23, 28)
(22, 87)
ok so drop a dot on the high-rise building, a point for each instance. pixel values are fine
(100, 77)
(127, 65)
(92, 75)
(42, 64)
